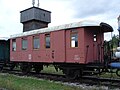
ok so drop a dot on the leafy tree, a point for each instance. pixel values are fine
(115, 41)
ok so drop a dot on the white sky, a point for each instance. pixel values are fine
(63, 11)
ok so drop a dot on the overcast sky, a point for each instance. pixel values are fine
(63, 11)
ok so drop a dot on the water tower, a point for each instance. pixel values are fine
(35, 18)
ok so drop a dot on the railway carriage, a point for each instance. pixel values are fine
(4, 52)
(69, 47)
(4, 49)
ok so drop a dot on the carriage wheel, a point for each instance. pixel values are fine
(118, 72)
(38, 68)
(72, 74)
(25, 67)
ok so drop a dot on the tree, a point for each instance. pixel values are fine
(115, 41)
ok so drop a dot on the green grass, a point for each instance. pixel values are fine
(47, 69)
(51, 69)
(110, 75)
(12, 82)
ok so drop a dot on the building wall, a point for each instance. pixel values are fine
(31, 25)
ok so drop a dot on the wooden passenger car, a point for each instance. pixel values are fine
(70, 43)
(74, 43)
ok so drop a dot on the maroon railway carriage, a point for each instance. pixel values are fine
(68, 47)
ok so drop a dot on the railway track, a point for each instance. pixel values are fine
(94, 80)
(88, 80)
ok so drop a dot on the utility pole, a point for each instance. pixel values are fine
(119, 30)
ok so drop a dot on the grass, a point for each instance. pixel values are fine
(51, 69)
(110, 75)
(12, 82)
(47, 69)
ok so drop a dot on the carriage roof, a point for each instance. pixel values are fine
(85, 23)
(4, 38)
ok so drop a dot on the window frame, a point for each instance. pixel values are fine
(72, 33)
(95, 37)
(48, 35)
(25, 38)
(14, 48)
(36, 37)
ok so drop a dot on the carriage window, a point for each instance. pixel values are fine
(95, 37)
(74, 39)
(13, 45)
(47, 40)
(24, 44)
(36, 42)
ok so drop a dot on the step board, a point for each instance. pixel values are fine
(93, 66)
(87, 71)
(1, 63)
(90, 77)
(6, 68)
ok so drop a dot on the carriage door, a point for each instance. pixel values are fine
(2, 50)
